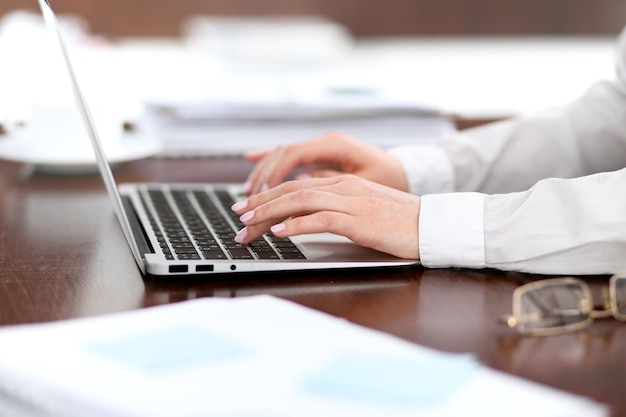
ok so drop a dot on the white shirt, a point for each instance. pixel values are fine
(543, 194)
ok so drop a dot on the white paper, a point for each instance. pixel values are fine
(238, 113)
(253, 356)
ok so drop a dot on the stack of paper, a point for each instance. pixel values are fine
(181, 136)
(256, 356)
(241, 114)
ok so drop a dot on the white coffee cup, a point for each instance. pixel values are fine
(60, 127)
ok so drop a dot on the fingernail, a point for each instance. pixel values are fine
(247, 216)
(239, 205)
(303, 176)
(265, 187)
(277, 228)
(241, 235)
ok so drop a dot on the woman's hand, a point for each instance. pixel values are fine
(330, 155)
(369, 214)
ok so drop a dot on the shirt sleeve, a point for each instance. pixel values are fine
(541, 194)
(581, 138)
(574, 226)
(451, 230)
(428, 168)
(559, 226)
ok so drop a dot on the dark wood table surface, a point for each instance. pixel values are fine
(63, 255)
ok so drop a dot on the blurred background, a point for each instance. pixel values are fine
(362, 18)
(224, 76)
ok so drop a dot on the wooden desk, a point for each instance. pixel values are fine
(62, 255)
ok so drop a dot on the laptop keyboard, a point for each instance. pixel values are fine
(190, 226)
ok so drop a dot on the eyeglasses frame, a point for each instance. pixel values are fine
(609, 303)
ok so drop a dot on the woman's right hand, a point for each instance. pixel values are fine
(369, 214)
(330, 155)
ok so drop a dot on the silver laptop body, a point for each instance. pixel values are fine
(170, 229)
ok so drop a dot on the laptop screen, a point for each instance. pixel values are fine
(103, 164)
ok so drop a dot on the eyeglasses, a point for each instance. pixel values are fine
(560, 305)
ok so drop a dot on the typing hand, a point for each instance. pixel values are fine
(369, 214)
(330, 155)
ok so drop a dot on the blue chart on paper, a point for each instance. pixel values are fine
(393, 381)
(169, 349)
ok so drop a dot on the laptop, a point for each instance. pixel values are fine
(188, 229)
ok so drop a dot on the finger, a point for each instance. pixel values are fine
(257, 180)
(300, 203)
(274, 169)
(276, 165)
(317, 222)
(380, 234)
(288, 187)
(345, 185)
(294, 204)
(256, 155)
(250, 233)
(276, 207)
(320, 173)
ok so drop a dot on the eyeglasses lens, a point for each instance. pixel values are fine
(620, 296)
(554, 306)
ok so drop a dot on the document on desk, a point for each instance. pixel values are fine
(242, 114)
(255, 356)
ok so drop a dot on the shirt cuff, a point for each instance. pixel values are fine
(451, 230)
(428, 168)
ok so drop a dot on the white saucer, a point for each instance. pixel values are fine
(74, 160)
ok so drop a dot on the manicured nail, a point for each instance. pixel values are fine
(277, 228)
(239, 205)
(241, 235)
(265, 187)
(247, 216)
